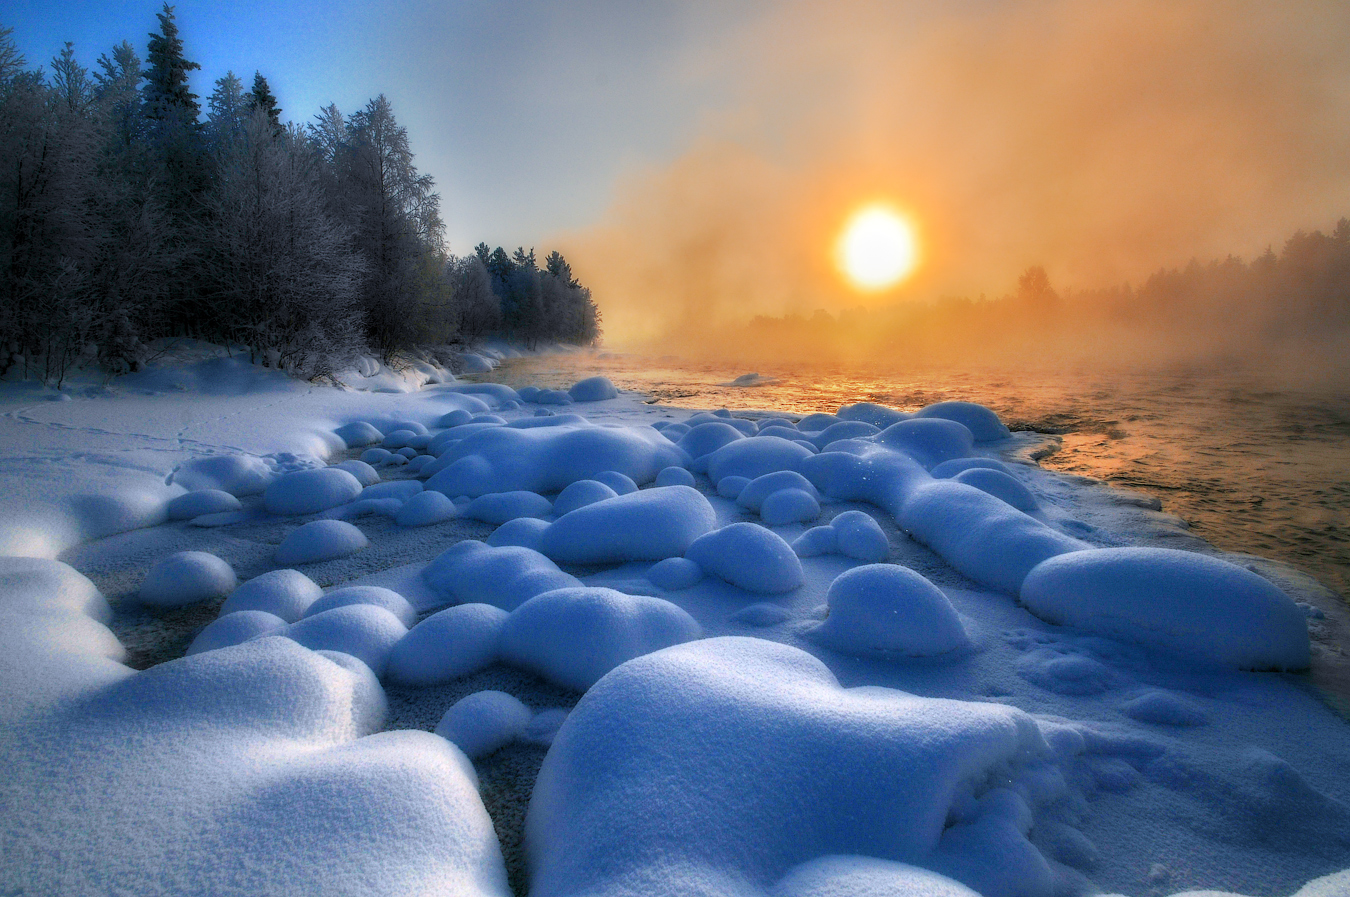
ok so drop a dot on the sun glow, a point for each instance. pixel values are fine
(877, 248)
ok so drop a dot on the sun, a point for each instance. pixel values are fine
(877, 248)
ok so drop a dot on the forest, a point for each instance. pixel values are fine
(130, 214)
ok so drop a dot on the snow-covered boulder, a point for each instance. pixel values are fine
(320, 540)
(593, 389)
(425, 509)
(844, 429)
(399, 489)
(358, 433)
(364, 473)
(789, 506)
(311, 491)
(188, 577)
(816, 541)
(674, 574)
(674, 476)
(1000, 485)
(448, 644)
(983, 424)
(379, 596)
(364, 631)
(235, 628)
(648, 525)
(755, 457)
(499, 507)
(930, 441)
(470, 572)
(760, 488)
(483, 722)
(1180, 601)
(203, 501)
(574, 636)
(859, 536)
(877, 415)
(238, 475)
(580, 494)
(748, 556)
(526, 532)
(621, 483)
(284, 593)
(707, 437)
(889, 609)
(949, 469)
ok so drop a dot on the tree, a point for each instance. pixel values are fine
(167, 95)
(227, 110)
(260, 97)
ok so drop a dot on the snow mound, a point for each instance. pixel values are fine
(818, 422)
(473, 363)
(483, 722)
(285, 593)
(311, 491)
(982, 423)
(736, 759)
(930, 441)
(732, 487)
(425, 509)
(982, 536)
(706, 438)
(1179, 601)
(365, 507)
(674, 574)
(1000, 485)
(844, 429)
(399, 489)
(527, 532)
(358, 434)
(238, 475)
(574, 636)
(446, 645)
(202, 501)
(470, 572)
(749, 557)
(760, 488)
(365, 631)
(364, 473)
(1165, 708)
(877, 415)
(674, 476)
(889, 609)
(948, 469)
(855, 876)
(235, 628)
(622, 484)
(751, 458)
(188, 577)
(649, 525)
(789, 506)
(548, 459)
(816, 541)
(860, 537)
(320, 540)
(453, 419)
(388, 599)
(593, 389)
(499, 507)
(580, 494)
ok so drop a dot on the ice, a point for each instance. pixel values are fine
(983, 424)
(651, 524)
(760, 488)
(755, 457)
(499, 507)
(378, 596)
(1000, 485)
(749, 556)
(790, 506)
(592, 389)
(235, 628)
(1180, 601)
(526, 532)
(188, 577)
(238, 475)
(674, 574)
(574, 636)
(707, 437)
(929, 441)
(890, 609)
(548, 459)
(202, 501)
(471, 572)
(580, 494)
(285, 593)
(674, 476)
(448, 644)
(364, 473)
(425, 509)
(311, 491)
(365, 631)
(483, 722)
(320, 540)
(726, 740)
(358, 434)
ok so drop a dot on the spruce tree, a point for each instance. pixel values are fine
(261, 98)
(166, 80)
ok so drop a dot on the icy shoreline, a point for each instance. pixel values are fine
(1110, 741)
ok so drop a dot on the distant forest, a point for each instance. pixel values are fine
(126, 216)
(1291, 307)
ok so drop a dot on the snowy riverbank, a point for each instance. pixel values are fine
(836, 654)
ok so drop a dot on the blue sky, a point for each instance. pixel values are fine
(525, 113)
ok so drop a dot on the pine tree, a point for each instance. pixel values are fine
(167, 95)
(260, 97)
(227, 111)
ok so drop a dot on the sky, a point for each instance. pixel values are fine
(696, 161)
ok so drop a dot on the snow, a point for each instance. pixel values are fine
(580, 494)
(484, 722)
(891, 609)
(448, 644)
(507, 576)
(751, 458)
(674, 574)
(789, 506)
(188, 577)
(377, 596)
(499, 507)
(1000, 485)
(1179, 601)
(284, 593)
(527, 532)
(674, 476)
(929, 441)
(365, 631)
(358, 434)
(754, 494)
(364, 473)
(856, 876)
(749, 556)
(593, 389)
(576, 635)
(707, 437)
(238, 475)
(1164, 708)
(982, 423)
(203, 501)
(311, 491)
(860, 537)
(650, 525)
(425, 509)
(621, 483)
(234, 628)
(320, 540)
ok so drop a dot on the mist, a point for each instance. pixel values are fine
(1101, 141)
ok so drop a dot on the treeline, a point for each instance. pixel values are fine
(1287, 305)
(129, 214)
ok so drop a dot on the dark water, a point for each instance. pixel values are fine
(1254, 468)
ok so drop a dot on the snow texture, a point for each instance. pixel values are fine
(593, 389)
(483, 722)
(674, 574)
(284, 593)
(234, 628)
(378, 596)
(364, 473)
(526, 532)
(203, 501)
(425, 509)
(754, 494)
(448, 644)
(751, 458)
(789, 506)
(674, 476)
(648, 525)
(365, 631)
(580, 494)
(887, 608)
(358, 434)
(311, 491)
(499, 507)
(188, 577)
(320, 540)
(470, 572)
(749, 556)
(982, 423)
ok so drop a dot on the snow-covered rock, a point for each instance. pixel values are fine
(470, 572)
(448, 644)
(483, 722)
(283, 593)
(188, 577)
(378, 596)
(320, 540)
(648, 525)
(425, 509)
(580, 494)
(983, 424)
(593, 389)
(203, 501)
(749, 556)
(364, 631)
(499, 507)
(311, 491)
(235, 628)
(886, 608)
